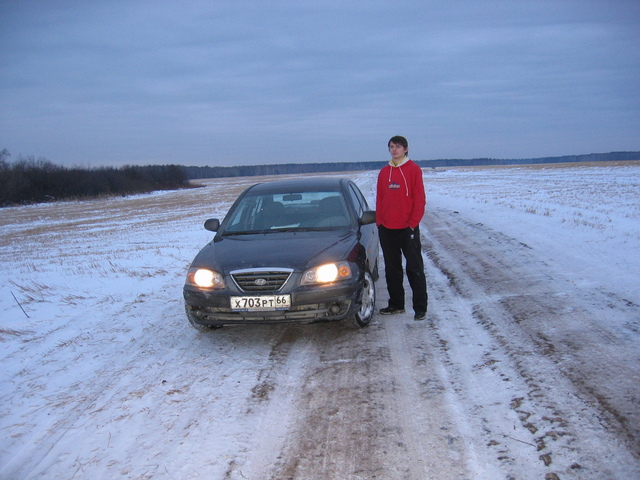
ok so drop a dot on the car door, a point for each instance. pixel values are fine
(369, 233)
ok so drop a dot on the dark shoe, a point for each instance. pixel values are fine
(420, 316)
(391, 311)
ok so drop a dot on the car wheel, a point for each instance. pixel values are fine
(199, 326)
(367, 301)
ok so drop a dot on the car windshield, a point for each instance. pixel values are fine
(276, 212)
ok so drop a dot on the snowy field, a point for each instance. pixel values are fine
(528, 366)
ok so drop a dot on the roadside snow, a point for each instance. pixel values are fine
(583, 219)
(545, 317)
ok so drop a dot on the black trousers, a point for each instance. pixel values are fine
(395, 244)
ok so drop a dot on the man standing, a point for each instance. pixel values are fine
(400, 204)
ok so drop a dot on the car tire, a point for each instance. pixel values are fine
(366, 302)
(200, 326)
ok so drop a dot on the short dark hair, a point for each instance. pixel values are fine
(398, 140)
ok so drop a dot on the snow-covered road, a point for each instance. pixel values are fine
(527, 367)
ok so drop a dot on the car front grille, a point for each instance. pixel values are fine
(261, 280)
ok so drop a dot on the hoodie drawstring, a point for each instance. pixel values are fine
(406, 184)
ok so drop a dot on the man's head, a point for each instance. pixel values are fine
(398, 148)
(398, 140)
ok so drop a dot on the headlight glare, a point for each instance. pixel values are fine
(204, 278)
(328, 273)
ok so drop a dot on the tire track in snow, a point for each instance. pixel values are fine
(490, 352)
(433, 441)
(369, 404)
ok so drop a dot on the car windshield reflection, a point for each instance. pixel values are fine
(286, 212)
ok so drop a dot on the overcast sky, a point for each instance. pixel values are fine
(216, 82)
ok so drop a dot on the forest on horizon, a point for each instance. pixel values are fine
(296, 168)
(30, 180)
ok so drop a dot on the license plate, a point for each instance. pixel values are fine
(261, 303)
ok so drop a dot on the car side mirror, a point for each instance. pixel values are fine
(213, 224)
(368, 217)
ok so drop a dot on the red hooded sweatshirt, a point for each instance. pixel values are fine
(400, 200)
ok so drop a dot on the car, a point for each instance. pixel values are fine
(301, 250)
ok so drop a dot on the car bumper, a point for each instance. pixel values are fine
(332, 302)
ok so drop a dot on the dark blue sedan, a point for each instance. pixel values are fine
(300, 250)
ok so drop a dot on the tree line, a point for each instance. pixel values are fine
(300, 168)
(31, 180)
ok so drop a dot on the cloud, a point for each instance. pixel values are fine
(260, 82)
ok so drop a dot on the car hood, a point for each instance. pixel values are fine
(299, 251)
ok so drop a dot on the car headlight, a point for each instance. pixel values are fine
(328, 273)
(204, 278)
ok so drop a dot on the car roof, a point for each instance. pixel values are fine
(301, 185)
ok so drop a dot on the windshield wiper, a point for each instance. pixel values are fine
(262, 232)
(244, 232)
